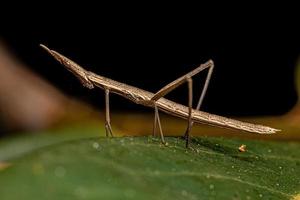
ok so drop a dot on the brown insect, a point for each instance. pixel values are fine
(156, 101)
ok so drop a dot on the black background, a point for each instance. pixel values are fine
(255, 53)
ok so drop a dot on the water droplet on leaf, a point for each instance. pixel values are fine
(96, 145)
(269, 150)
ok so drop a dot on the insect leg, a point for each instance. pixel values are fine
(174, 84)
(108, 128)
(188, 130)
(154, 124)
(159, 124)
(188, 77)
(208, 77)
(190, 124)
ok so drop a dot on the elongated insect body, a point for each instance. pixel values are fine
(139, 96)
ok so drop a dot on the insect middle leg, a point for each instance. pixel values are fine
(108, 128)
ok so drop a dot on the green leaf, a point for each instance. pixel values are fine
(25, 143)
(142, 168)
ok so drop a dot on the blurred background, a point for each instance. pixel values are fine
(254, 78)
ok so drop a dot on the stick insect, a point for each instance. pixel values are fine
(156, 101)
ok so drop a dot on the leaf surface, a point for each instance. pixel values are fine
(142, 168)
